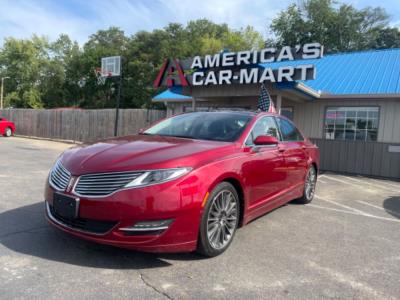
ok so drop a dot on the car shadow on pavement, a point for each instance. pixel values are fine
(25, 230)
(392, 206)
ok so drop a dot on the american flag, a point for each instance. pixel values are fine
(264, 100)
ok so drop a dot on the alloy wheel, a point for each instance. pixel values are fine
(8, 132)
(310, 183)
(222, 219)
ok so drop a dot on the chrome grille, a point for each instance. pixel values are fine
(59, 176)
(103, 184)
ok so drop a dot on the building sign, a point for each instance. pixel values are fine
(171, 70)
(244, 67)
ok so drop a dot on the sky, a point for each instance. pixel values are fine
(81, 18)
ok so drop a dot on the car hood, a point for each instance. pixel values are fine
(142, 152)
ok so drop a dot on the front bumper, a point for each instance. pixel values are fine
(106, 220)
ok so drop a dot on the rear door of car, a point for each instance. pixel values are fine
(264, 170)
(293, 148)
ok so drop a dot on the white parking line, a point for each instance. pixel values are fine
(354, 179)
(375, 182)
(381, 208)
(397, 187)
(319, 180)
(353, 213)
(380, 186)
(334, 209)
(358, 184)
(371, 184)
(341, 181)
(342, 205)
(354, 210)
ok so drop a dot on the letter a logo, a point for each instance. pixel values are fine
(172, 70)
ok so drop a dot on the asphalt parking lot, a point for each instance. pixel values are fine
(345, 244)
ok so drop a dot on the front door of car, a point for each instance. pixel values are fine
(293, 149)
(264, 170)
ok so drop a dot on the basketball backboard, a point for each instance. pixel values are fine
(111, 66)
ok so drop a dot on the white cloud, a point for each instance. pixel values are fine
(23, 18)
(236, 13)
(79, 19)
(156, 14)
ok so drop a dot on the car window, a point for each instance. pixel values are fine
(264, 126)
(288, 131)
(216, 126)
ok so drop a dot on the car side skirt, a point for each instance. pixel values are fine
(276, 201)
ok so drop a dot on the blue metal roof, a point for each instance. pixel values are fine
(174, 93)
(364, 72)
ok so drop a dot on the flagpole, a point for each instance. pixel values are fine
(278, 103)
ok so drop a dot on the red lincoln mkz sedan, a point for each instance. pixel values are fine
(186, 183)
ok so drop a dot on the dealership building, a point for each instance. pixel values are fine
(349, 105)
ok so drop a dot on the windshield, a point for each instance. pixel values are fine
(225, 127)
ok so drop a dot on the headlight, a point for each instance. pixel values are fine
(158, 176)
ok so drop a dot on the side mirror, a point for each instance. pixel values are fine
(265, 140)
(141, 130)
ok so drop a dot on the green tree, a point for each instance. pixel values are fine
(339, 27)
(46, 74)
(110, 42)
(147, 50)
(22, 61)
(32, 98)
(244, 39)
(388, 38)
(62, 68)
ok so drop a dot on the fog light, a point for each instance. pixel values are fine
(149, 225)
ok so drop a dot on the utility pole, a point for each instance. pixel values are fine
(1, 91)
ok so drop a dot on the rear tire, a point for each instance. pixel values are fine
(8, 132)
(309, 186)
(219, 221)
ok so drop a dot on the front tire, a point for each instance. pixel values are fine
(219, 221)
(309, 186)
(8, 132)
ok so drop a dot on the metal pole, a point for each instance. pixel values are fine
(194, 108)
(278, 103)
(117, 108)
(1, 93)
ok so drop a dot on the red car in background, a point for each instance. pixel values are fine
(186, 183)
(7, 128)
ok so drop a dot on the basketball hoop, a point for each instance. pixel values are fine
(110, 67)
(102, 75)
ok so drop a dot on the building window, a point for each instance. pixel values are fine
(352, 123)
(287, 112)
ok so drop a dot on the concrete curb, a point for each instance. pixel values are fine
(48, 139)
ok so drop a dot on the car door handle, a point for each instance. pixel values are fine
(281, 149)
